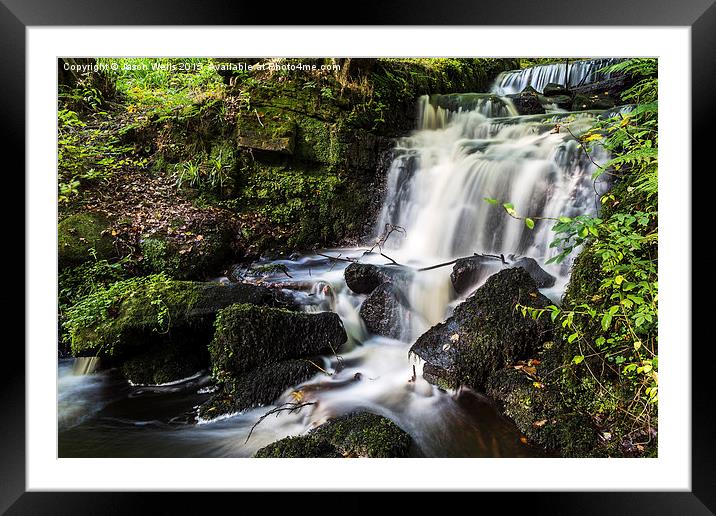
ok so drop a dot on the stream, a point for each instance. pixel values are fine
(466, 148)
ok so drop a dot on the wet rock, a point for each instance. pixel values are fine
(542, 278)
(560, 101)
(485, 332)
(258, 387)
(363, 278)
(468, 271)
(82, 237)
(383, 311)
(527, 102)
(358, 434)
(248, 336)
(552, 89)
(586, 101)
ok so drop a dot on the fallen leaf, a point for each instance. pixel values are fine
(523, 440)
(540, 423)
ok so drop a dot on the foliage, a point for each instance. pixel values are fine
(96, 323)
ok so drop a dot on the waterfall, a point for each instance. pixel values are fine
(464, 152)
(85, 365)
(580, 72)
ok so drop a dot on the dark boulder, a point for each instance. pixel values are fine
(258, 387)
(165, 362)
(485, 332)
(363, 278)
(587, 101)
(467, 272)
(542, 278)
(527, 103)
(359, 434)
(248, 336)
(384, 310)
(561, 101)
(552, 89)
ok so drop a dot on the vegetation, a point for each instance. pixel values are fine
(609, 315)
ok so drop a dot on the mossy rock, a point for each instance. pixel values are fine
(248, 336)
(486, 332)
(199, 259)
(258, 387)
(83, 237)
(359, 434)
(139, 312)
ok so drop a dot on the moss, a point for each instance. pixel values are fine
(354, 435)
(134, 314)
(82, 237)
(300, 447)
(191, 257)
(248, 336)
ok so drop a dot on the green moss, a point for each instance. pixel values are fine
(82, 237)
(249, 336)
(354, 435)
(103, 320)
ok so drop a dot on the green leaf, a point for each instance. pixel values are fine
(508, 206)
(565, 220)
(606, 321)
(572, 337)
(490, 200)
(578, 359)
(529, 223)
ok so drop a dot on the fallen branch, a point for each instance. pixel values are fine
(445, 264)
(290, 406)
(338, 258)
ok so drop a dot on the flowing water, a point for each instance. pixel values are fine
(466, 148)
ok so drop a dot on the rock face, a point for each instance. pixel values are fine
(383, 311)
(485, 332)
(552, 89)
(259, 352)
(83, 237)
(363, 278)
(355, 435)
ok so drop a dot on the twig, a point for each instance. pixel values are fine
(259, 118)
(389, 258)
(290, 406)
(338, 258)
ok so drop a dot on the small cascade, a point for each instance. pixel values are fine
(580, 72)
(85, 365)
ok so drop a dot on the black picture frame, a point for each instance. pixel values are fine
(700, 15)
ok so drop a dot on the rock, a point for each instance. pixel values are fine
(542, 278)
(541, 414)
(255, 388)
(363, 278)
(469, 271)
(561, 101)
(527, 103)
(201, 258)
(358, 434)
(383, 311)
(248, 336)
(485, 332)
(602, 100)
(129, 316)
(553, 89)
(82, 237)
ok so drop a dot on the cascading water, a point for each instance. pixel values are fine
(580, 72)
(467, 148)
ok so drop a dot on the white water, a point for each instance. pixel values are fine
(436, 189)
(580, 72)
